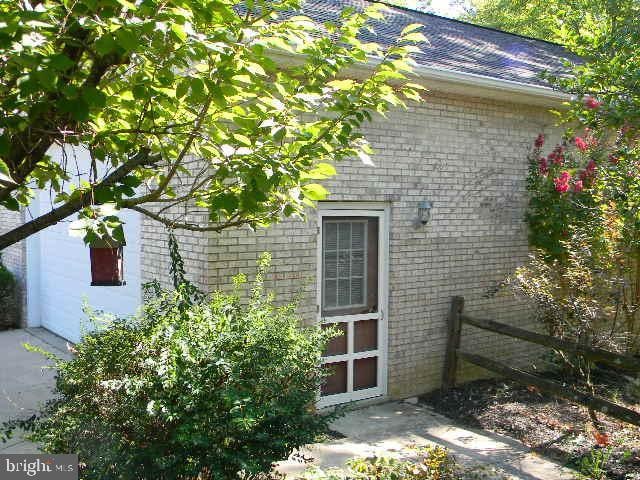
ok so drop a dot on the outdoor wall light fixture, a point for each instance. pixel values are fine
(424, 212)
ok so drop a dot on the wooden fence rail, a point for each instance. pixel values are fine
(453, 354)
(623, 362)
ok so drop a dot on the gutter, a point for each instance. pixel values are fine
(483, 81)
(462, 83)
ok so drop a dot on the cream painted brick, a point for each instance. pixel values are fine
(467, 156)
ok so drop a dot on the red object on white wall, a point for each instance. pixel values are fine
(107, 266)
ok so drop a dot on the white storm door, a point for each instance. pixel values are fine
(352, 259)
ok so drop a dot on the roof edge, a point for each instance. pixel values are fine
(483, 86)
(476, 80)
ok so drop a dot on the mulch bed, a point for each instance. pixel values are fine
(552, 427)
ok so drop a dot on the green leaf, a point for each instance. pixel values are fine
(127, 5)
(225, 201)
(415, 86)
(76, 107)
(103, 194)
(197, 90)
(278, 134)
(4, 148)
(314, 191)
(320, 172)
(132, 181)
(178, 31)
(255, 69)
(94, 97)
(183, 87)
(105, 44)
(118, 233)
(61, 197)
(127, 39)
(3, 167)
(11, 204)
(341, 84)
(60, 62)
(416, 37)
(411, 28)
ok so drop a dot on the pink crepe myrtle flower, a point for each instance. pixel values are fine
(543, 166)
(581, 144)
(562, 182)
(539, 141)
(591, 103)
(589, 172)
(578, 186)
(557, 155)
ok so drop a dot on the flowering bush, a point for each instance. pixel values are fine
(560, 183)
(584, 222)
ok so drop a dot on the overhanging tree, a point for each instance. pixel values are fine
(551, 20)
(233, 107)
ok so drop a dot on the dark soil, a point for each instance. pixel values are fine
(552, 427)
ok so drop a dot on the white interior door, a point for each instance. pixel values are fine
(352, 294)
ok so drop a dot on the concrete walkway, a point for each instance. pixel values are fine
(391, 429)
(25, 382)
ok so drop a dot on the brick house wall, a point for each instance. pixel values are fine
(14, 258)
(466, 155)
(154, 252)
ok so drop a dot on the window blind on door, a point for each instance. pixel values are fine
(344, 260)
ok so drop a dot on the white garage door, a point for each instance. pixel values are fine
(65, 278)
(59, 277)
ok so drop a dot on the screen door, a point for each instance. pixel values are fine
(352, 257)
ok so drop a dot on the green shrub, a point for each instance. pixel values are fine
(8, 300)
(192, 387)
(593, 466)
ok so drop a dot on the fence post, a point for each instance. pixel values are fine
(454, 326)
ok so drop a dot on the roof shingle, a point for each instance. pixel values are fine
(458, 46)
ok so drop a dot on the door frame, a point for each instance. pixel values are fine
(359, 209)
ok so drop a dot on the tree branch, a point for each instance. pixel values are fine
(72, 206)
(188, 226)
(162, 185)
